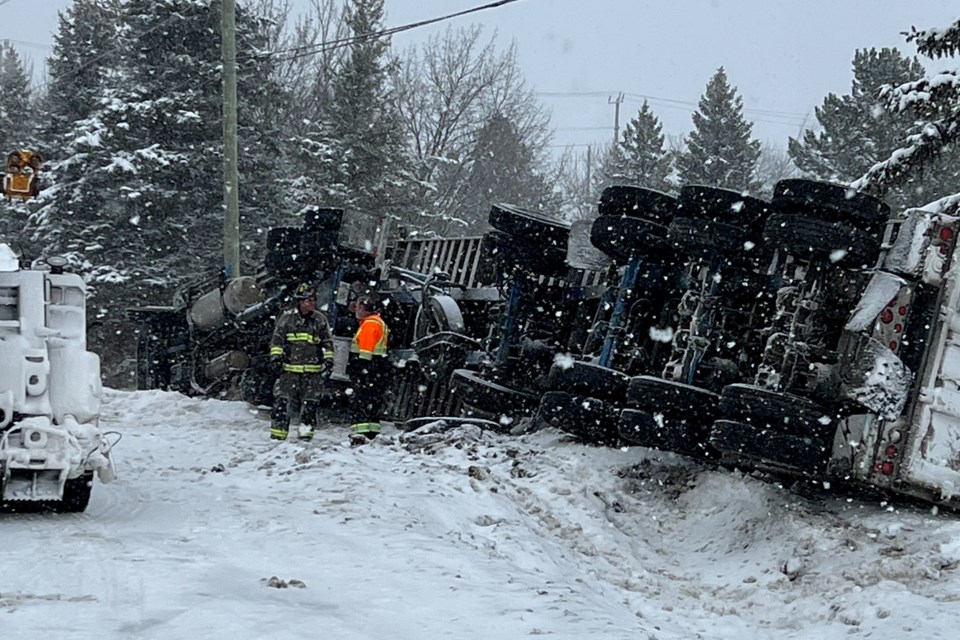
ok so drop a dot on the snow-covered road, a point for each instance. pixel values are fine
(455, 534)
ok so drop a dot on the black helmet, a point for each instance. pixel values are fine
(369, 302)
(305, 291)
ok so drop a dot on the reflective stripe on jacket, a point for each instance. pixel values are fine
(371, 338)
(302, 342)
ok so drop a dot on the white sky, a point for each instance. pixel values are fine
(784, 56)
(456, 535)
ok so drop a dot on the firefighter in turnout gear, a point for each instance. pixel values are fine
(368, 369)
(301, 351)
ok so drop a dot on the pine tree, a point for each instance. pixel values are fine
(501, 168)
(141, 190)
(934, 103)
(84, 53)
(15, 113)
(16, 132)
(856, 132)
(719, 150)
(355, 156)
(640, 157)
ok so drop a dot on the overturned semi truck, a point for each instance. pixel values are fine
(445, 300)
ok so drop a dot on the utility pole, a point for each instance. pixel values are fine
(589, 164)
(616, 116)
(231, 173)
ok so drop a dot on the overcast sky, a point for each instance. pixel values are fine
(784, 56)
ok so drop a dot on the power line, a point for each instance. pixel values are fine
(313, 49)
(672, 103)
(38, 45)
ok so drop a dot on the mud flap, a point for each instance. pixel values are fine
(877, 379)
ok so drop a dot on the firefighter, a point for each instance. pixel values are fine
(368, 369)
(301, 351)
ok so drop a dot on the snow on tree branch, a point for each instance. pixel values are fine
(936, 43)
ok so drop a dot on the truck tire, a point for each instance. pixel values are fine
(317, 254)
(591, 420)
(700, 235)
(623, 237)
(76, 494)
(813, 238)
(322, 219)
(448, 422)
(722, 205)
(283, 248)
(665, 396)
(512, 253)
(760, 448)
(781, 412)
(491, 398)
(637, 202)
(681, 434)
(829, 201)
(438, 314)
(535, 228)
(589, 379)
(149, 352)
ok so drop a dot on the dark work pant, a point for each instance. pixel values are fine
(293, 392)
(370, 380)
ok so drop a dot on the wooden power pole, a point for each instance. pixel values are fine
(616, 116)
(231, 173)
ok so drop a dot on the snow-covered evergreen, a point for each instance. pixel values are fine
(856, 132)
(934, 104)
(640, 156)
(720, 151)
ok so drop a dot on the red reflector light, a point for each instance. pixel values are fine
(902, 310)
(886, 316)
(893, 345)
(898, 327)
(946, 233)
(891, 451)
(886, 468)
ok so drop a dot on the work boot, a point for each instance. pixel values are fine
(279, 421)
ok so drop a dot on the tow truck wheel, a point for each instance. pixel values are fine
(813, 238)
(747, 445)
(591, 420)
(76, 494)
(637, 202)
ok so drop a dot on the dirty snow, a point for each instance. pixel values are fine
(214, 531)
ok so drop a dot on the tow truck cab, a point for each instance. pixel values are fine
(50, 441)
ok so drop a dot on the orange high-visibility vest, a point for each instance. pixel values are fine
(371, 338)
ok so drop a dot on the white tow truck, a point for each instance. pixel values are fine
(50, 440)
